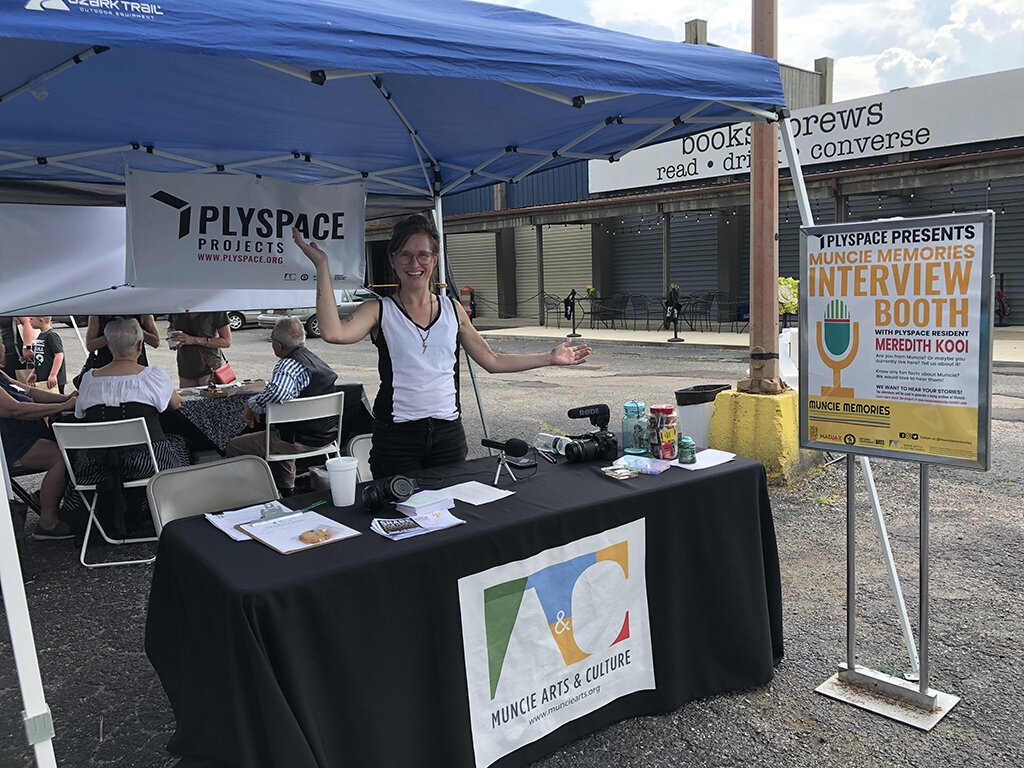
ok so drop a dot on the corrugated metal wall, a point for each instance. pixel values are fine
(567, 263)
(802, 87)
(693, 261)
(1004, 196)
(559, 185)
(526, 272)
(473, 259)
(568, 260)
(636, 255)
(474, 201)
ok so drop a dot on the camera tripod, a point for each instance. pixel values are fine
(503, 463)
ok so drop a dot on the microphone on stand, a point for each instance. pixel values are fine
(513, 447)
(510, 452)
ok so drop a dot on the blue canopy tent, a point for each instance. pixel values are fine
(419, 100)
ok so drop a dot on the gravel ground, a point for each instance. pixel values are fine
(110, 710)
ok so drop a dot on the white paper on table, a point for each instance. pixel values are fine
(226, 521)
(282, 533)
(709, 457)
(476, 493)
(440, 518)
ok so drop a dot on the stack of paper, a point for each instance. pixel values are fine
(426, 501)
(404, 527)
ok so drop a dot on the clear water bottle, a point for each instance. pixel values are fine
(545, 441)
(634, 427)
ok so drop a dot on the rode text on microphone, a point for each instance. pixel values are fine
(599, 444)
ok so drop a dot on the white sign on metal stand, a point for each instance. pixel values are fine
(921, 290)
(36, 715)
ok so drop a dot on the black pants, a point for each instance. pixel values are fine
(411, 445)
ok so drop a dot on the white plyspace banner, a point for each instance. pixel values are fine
(194, 230)
(66, 259)
(554, 637)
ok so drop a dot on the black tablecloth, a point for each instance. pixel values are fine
(208, 423)
(351, 654)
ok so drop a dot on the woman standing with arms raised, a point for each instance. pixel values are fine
(417, 414)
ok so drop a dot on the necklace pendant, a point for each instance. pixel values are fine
(424, 341)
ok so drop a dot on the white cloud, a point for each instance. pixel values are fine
(877, 45)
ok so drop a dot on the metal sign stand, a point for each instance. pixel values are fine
(893, 697)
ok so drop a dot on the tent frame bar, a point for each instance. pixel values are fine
(35, 85)
(576, 102)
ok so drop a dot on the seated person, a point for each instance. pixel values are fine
(29, 444)
(96, 343)
(123, 389)
(299, 373)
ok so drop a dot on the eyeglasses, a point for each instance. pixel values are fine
(423, 257)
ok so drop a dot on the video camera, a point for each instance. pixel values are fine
(600, 444)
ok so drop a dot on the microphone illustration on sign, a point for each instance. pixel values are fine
(838, 341)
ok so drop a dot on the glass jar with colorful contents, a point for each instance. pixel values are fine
(662, 426)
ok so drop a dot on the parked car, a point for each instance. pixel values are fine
(239, 318)
(350, 299)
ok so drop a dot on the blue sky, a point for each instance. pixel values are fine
(877, 45)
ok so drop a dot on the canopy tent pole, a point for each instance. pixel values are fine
(36, 715)
(78, 334)
(807, 219)
(445, 269)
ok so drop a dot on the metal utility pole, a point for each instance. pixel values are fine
(764, 222)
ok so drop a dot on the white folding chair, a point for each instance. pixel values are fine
(304, 409)
(359, 447)
(241, 481)
(108, 434)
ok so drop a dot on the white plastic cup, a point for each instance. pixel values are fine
(172, 343)
(342, 475)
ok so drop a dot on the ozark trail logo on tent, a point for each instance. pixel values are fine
(554, 586)
(184, 218)
(130, 9)
(46, 5)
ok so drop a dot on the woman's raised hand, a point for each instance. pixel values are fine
(313, 251)
(568, 353)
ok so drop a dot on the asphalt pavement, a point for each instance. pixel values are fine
(110, 711)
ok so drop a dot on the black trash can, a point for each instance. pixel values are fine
(694, 407)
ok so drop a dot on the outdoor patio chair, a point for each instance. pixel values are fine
(553, 304)
(609, 311)
(697, 311)
(723, 309)
(359, 447)
(241, 481)
(107, 434)
(644, 307)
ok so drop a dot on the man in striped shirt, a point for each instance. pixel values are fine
(298, 373)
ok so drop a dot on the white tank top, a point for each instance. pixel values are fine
(418, 367)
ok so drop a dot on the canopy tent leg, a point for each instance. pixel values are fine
(445, 269)
(36, 715)
(78, 335)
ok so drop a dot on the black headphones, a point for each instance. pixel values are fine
(376, 494)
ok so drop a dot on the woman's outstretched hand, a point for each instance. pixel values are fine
(568, 353)
(313, 251)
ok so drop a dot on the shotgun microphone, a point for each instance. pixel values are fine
(513, 447)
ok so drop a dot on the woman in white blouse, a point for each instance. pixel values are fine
(123, 389)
